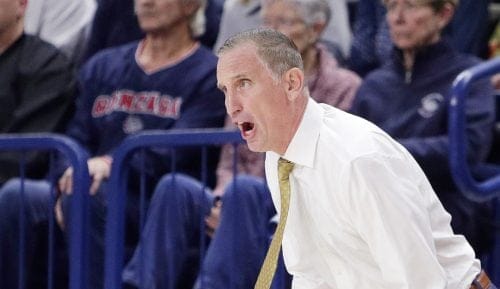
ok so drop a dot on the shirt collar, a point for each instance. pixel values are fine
(302, 148)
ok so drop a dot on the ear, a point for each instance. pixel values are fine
(318, 28)
(22, 8)
(190, 7)
(294, 83)
(446, 15)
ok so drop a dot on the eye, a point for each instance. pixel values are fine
(244, 83)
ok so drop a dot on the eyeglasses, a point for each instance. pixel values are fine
(280, 22)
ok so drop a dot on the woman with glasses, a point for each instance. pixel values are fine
(304, 21)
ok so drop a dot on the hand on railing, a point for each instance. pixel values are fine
(99, 170)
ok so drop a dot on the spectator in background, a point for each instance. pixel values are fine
(371, 44)
(239, 15)
(65, 24)
(115, 23)
(37, 86)
(304, 21)
(408, 98)
(234, 257)
(165, 81)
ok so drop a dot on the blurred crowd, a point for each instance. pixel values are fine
(101, 70)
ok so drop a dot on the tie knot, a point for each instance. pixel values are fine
(284, 168)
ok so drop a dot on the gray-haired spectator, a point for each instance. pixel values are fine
(304, 21)
(239, 15)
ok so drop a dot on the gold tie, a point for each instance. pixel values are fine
(269, 267)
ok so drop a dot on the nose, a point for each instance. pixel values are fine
(396, 16)
(233, 105)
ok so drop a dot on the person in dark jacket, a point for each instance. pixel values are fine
(408, 98)
(37, 87)
(371, 44)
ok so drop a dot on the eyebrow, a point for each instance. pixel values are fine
(237, 76)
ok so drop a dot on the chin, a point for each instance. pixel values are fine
(255, 148)
(404, 45)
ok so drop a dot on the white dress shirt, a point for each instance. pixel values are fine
(362, 213)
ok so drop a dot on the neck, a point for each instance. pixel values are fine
(409, 54)
(310, 58)
(160, 49)
(10, 35)
(297, 111)
(409, 59)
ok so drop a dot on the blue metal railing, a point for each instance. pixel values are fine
(115, 225)
(461, 171)
(78, 229)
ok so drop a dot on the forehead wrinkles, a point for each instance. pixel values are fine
(242, 58)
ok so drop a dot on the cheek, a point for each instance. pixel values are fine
(300, 38)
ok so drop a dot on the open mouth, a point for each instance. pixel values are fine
(246, 128)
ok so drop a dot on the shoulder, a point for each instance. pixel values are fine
(110, 60)
(38, 55)
(204, 57)
(202, 64)
(465, 61)
(330, 73)
(113, 54)
(350, 136)
(379, 80)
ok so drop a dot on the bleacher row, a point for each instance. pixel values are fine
(486, 188)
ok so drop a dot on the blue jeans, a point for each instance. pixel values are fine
(38, 208)
(169, 254)
(96, 230)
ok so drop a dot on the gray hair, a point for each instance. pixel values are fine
(311, 11)
(277, 52)
(198, 20)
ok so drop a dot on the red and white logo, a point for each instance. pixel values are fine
(147, 102)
